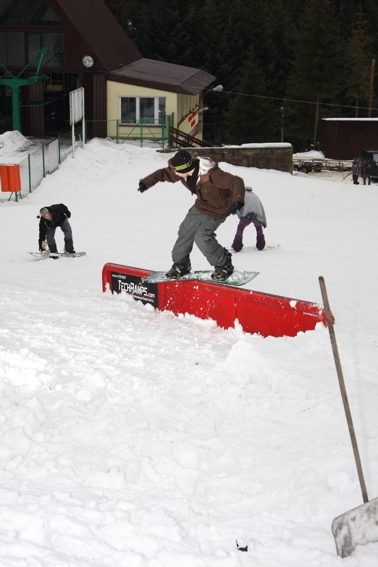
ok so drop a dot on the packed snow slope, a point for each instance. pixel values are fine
(134, 438)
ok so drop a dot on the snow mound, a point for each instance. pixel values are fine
(313, 154)
(11, 142)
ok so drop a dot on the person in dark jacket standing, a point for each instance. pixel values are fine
(368, 170)
(218, 194)
(51, 218)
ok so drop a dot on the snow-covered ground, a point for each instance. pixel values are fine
(133, 438)
(13, 147)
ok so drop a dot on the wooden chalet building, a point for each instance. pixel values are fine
(87, 47)
(345, 138)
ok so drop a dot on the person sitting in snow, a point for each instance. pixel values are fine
(52, 217)
(251, 212)
(218, 194)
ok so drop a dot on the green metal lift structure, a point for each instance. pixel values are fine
(15, 82)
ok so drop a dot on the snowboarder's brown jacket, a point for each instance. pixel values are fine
(215, 189)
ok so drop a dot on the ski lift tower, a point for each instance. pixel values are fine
(15, 82)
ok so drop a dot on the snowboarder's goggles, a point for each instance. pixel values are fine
(179, 167)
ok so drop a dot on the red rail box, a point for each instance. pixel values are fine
(256, 312)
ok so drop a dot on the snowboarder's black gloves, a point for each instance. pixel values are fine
(235, 207)
(142, 187)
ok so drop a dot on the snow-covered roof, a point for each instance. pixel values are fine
(352, 119)
(162, 75)
(261, 145)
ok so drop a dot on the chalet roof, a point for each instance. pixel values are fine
(100, 30)
(94, 30)
(164, 76)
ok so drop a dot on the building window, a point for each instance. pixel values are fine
(148, 110)
(41, 14)
(11, 13)
(12, 49)
(128, 110)
(54, 43)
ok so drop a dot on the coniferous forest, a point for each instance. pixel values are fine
(284, 64)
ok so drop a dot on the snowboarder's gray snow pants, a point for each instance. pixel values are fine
(50, 236)
(199, 228)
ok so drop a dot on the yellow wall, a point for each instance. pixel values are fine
(178, 104)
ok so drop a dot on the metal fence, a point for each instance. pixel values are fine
(48, 155)
(142, 130)
(43, 159)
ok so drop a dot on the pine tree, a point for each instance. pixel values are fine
(359, 60)
(301, 51)
(251, 117)
(318, 68)
(211, 37)
(370, 9)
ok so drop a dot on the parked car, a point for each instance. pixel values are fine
(373, 154)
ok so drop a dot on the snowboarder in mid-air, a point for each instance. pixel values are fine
(52, 217)
(218, 194)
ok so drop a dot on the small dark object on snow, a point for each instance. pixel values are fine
(241, 546)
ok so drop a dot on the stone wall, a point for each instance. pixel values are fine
(264, 156)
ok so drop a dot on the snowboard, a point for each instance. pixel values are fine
(55, 256)
(254, 249)
(236, 279)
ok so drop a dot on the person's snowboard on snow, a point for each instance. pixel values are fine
(218, 194)
(51, 218)
(252, 212)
